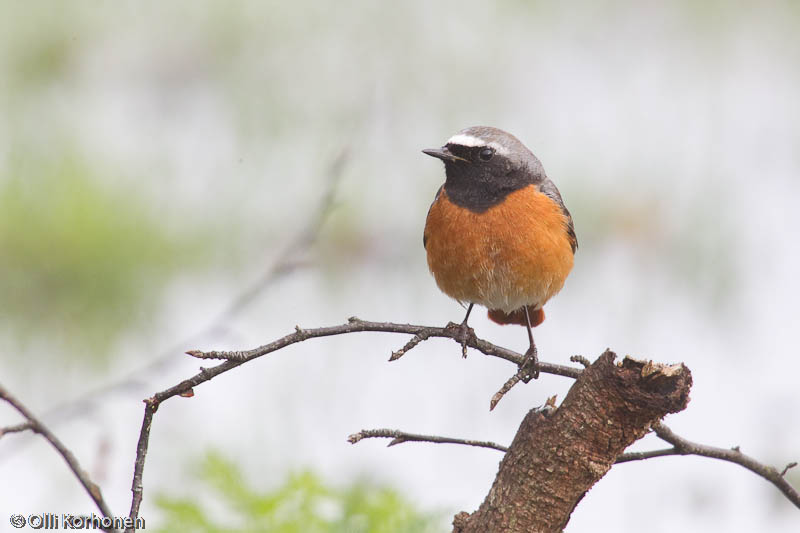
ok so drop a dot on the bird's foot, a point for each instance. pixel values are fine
(463, 334)
(529, 369)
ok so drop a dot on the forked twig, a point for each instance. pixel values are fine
(38, 427)
(733, 455)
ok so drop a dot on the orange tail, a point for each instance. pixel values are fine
(517, 317)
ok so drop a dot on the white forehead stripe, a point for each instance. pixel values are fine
(462, 139)
(465, 140)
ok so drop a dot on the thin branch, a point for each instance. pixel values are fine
(507, 386)
(399, 437)
(38, 427)
(416, 339)
(355, 325)
(141, 452)
(639, 456)
(16, 429)
(788, 467)
(687, 447)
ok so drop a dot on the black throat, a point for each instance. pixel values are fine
(478, 189)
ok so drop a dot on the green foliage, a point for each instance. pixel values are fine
(303, 504)
(79, 261)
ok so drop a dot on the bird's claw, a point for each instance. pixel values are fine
(462, 334)
(529, 369)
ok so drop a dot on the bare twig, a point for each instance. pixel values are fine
(788, 467)
(402, 436)
(416, 339)
(399, 437)
(639, 456)
(355, 325)
(687, 447)
(141, 452)
(36, 426)
(507, 386)
(16, 428)
(520, 375)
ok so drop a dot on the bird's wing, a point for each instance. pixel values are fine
(549, 188)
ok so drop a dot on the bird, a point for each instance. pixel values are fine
(498, 233)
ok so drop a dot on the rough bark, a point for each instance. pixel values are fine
(558, 454)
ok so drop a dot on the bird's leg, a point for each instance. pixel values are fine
(464, 332)
(530, 365)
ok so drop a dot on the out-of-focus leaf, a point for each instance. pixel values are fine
(302, 504)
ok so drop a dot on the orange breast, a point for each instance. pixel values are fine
(516, 253)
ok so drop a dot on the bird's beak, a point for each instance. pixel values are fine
(444, 154)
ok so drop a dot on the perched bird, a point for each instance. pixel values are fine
(498, 233)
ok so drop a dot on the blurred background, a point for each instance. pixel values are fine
(210, 174)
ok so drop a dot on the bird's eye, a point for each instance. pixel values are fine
(486, 154)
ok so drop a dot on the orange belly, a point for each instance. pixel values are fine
(516, 253)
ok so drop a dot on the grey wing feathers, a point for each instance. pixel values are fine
(549, 188)
(425, 237)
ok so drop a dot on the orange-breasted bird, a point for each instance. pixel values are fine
(498, 233)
